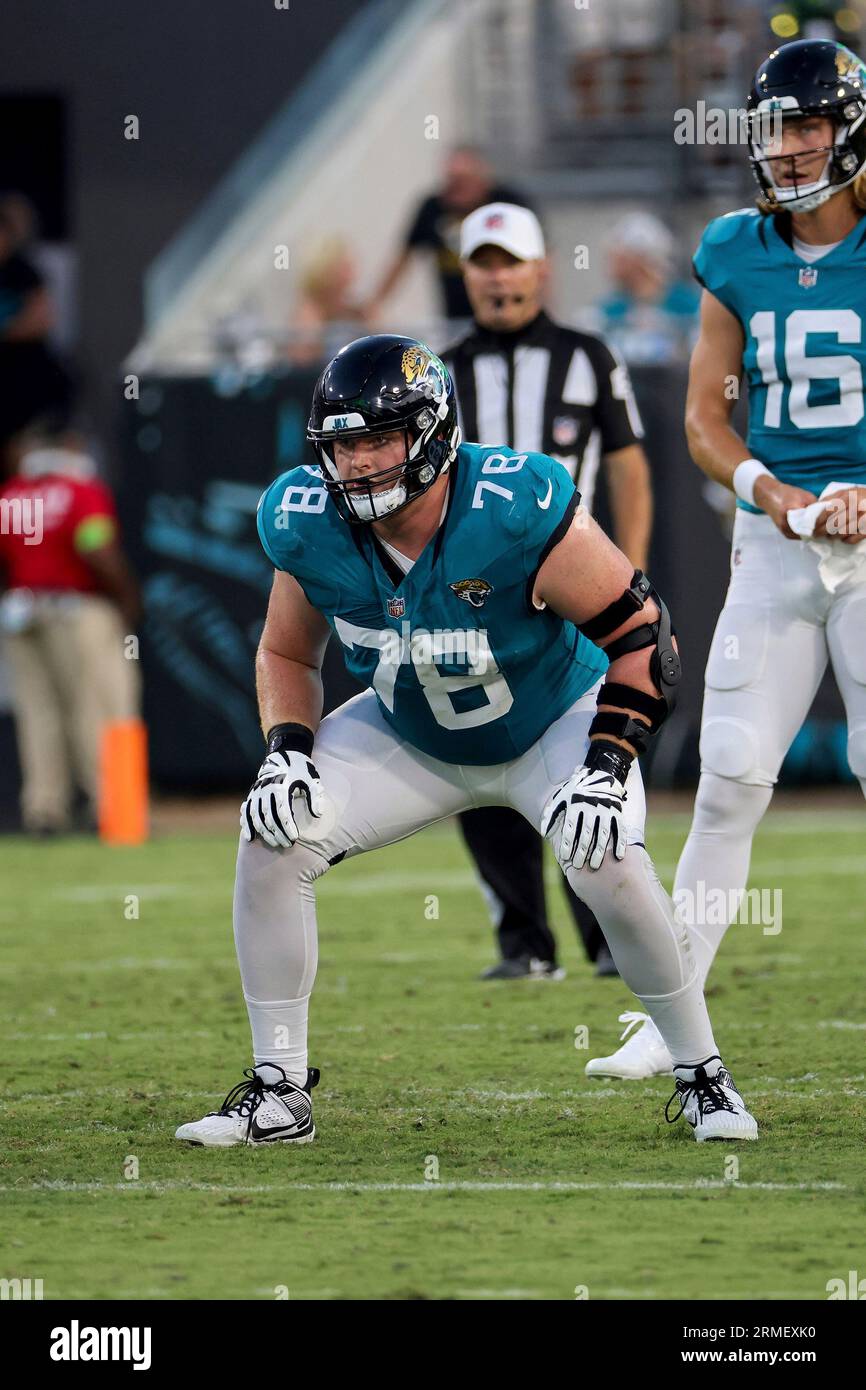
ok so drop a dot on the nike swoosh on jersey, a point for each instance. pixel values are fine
(546, 503)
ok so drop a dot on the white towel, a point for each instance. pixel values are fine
(836, 561)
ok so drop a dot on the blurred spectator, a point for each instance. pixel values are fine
(650, 314)
(468, 184)
(70, 599)
(715, 47)
(33, 382)
(20, 216)
(54, 261)
(327, 297)
(620, 46)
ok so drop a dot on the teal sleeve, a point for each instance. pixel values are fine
(289, 502)
(265, 524)
(715, 261)
(549, 500)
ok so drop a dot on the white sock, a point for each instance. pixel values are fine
(279, 1028)
(716, 854)
(685, 1071)
(650, 947)
(275, 936)
(683, 1022)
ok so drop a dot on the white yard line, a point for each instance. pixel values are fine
(105, 892)
(417, 1102)
(113, 1092)
(436, 879)
(108, 963)
(804, 866)
(626, 1089)
(37, 1037)
(183, 1185)
(440, 880)
(486, 1294)
(802, 822)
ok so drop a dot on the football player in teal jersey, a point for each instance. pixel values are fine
(784, 306)
(511, 657)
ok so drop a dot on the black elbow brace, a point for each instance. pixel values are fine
(665, 666)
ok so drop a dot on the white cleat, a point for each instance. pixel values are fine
(265, 1109)
(712, 1105)
(644, 1055)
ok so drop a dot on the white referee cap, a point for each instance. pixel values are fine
(514, 228)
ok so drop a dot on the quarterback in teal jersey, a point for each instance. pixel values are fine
(511, 657)
(784, 309)
(803, 350)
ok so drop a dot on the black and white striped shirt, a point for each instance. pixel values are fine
(545, 389)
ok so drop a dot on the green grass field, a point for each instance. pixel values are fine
(116, 1030)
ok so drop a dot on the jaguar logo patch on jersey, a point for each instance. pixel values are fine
(396, 607)
(473, 591)
(807, 276)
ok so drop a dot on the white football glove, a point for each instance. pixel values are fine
(267, 811)
(587, 812)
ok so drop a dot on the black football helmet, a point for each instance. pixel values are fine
(806, 78)
(381, 383)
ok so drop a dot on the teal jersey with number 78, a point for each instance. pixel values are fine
(805, 353)
(465, 668)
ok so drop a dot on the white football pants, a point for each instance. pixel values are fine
(385, 790)
(779, 627)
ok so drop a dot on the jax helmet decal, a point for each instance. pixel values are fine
(810, 77)
(375, 385)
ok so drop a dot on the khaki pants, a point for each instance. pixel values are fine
(68, 675)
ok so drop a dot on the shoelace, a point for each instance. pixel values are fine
(709, 1093)
(632, 1018)
(245, 1098)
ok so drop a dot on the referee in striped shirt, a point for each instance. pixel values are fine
(529, 383)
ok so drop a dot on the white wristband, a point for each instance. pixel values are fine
(746, 474)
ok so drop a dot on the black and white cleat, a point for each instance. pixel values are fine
(711, 1103)
(267, 1108)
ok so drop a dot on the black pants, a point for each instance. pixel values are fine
(508, 854)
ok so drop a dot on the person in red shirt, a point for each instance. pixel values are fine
(70, 603)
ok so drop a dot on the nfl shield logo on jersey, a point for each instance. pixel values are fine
(564, 430)
(807, 276)
(396, 607)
